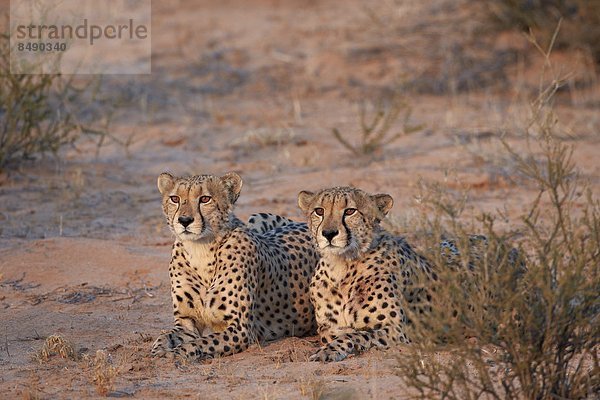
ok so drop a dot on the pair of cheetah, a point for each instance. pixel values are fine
(233, 283)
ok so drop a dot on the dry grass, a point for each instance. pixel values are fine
(31, 394)
(265, 137)
(535, 319)
(376, 132)
(312, 388)
(104, 373)
(40, 113)
(33, 118)
(33, 390)
(581, 21)
(56, 345)
(317, 389)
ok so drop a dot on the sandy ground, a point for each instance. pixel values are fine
(256, 87)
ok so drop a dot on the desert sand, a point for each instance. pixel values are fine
(256, 87)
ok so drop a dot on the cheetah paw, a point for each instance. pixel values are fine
(159, 348)
(327, 354)
(188, 351)
(164, 344)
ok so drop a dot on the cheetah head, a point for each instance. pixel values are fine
(343, 220)
(198, 208)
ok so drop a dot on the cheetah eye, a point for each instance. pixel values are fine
(174, 199)
(319, 211)
(205, 199)
(349, 211)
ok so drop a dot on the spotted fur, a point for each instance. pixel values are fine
(231, 285)
(366, 278)
(265, 222)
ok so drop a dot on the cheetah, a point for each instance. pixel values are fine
(231, 284)
(366, 277)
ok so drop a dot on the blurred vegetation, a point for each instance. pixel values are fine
(520, 324)
(39, 113)
(375, 131)
(580, 21)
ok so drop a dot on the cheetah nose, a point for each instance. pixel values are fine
(329, 235)
(185, 221)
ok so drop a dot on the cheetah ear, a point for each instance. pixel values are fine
(233, 185)
(165, 183)
(384, 203)
(304, 199)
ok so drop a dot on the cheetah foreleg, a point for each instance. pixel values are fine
(184, 331)
(219, 344)
(358, 341)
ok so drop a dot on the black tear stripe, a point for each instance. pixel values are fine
(318, 226)
(202, 220)
(348, 232)
(202, 215)
(175, 213)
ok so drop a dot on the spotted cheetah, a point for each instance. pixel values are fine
(366, 277)
(231, 284)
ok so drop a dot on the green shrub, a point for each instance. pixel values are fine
(512, 331)
(37, 112)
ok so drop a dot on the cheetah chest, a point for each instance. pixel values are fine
(351, 293)
(192, 271)
(345, 295)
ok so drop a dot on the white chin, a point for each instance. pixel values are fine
(190, 236)
(333, 250)
(336, 251)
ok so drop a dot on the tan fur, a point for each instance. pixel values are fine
(231, 284)
(366, 277)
